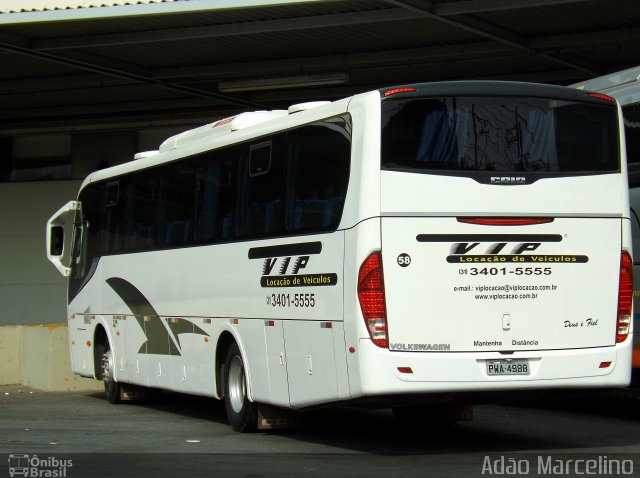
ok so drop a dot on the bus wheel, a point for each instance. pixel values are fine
(242, 413)
(111, 387)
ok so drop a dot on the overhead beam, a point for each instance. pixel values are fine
(106, 109)
(335, 62)
(483, 6)
(289, 24)
(230, 29)
(130, 72)
(559, 43)
(583, 39)
(68, 82)
(482, 28)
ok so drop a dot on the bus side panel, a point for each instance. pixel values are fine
(634, 197)
(81, 355)
(276, 364)
(315, 360)
(363, 196)
(84, 319)
(164, 324)
(295, 286)
(360, 241)
(251, 335)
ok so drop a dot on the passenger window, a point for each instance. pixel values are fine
(265, 189)
(216, 191)
(140, 211)
(113, 190)
(177, 202)
(260, 158)
(112, 233)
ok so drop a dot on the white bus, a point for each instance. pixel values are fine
(417, 244)
(624, 86)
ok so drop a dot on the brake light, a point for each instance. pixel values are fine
(602, 97)
(395, 91)
(371, 297)
(625, 297)
(505, 221)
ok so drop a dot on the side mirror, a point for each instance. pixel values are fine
(60, 231)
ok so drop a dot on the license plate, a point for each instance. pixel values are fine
(508, 367)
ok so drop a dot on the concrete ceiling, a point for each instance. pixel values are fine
(167, 66)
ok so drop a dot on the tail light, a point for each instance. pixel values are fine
(608, 98)
(371, 297)
(505, 221)
(625, 297)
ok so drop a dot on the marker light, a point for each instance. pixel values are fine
(505, 221)
(625, 293)
(371, 297)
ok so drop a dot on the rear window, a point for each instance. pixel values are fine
(501, 134)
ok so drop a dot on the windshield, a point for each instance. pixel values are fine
(501, 134)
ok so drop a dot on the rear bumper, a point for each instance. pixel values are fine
(386, 373)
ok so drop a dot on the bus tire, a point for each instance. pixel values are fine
(241, 412)
(111, 387)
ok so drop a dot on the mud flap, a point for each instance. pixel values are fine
(134, 393)
(272, 418)
(462, 413)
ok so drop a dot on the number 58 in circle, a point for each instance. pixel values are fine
(404, 260)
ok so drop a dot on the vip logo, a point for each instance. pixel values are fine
(465, 248)
(286, 264)
(508, 180)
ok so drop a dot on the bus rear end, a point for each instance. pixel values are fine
(504, 260)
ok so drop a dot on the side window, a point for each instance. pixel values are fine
(260, 158)
(112, 193)
(84, 250)
(177, 202)
(216, 191)
(319, 159)
(263, 211)
(140, 211)
(92, 210)
(110, 230)
(631, 115)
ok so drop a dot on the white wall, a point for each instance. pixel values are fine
(31, 289)
(34, 348)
